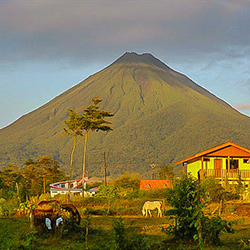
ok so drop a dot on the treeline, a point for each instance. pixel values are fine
(31, 179)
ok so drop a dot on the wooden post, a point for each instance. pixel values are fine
(18, 193)
(44, 184)
(105, 170)
(87, 232)
(199, 218)
(183, 168)
(108, 206)
(228, 165)
(220, 207)
(163, 206)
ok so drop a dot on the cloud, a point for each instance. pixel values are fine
(242, 106)
(91, 31)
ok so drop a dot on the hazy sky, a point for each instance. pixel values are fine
(47, 46)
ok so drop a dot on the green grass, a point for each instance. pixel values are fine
(15, 232)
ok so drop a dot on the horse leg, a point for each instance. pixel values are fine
(159, 212)
(149, 213)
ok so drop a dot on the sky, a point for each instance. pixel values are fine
(47, 46)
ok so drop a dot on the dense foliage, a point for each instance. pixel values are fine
(128, 238)
(188, 199)
(32, 179)
(166, 173)
(91, 119)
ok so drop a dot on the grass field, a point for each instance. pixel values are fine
(16, 234)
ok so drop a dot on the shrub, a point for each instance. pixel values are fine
(8, 207)
(128, 181)
(216, 193)
(69, 226)
(128, 238)
(187, 200)
(102, 211)
(212, 227)
(153, 193)
(107, 191)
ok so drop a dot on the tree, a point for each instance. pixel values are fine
(74, 129)
(187, 198)
(93, 120)
(166, 172)
(31, 182)
(37, 174)
(48, 170)
(10, 176)
(127, 181)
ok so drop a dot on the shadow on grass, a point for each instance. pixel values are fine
(16, 234)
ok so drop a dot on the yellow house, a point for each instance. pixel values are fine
(228, 161)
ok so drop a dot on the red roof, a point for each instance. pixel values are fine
(150, 184)
(223, 150)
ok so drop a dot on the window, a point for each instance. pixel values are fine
(234, 164)
(246, 161)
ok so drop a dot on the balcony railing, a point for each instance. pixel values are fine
(223, 173)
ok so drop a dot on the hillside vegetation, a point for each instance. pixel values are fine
(160, 116)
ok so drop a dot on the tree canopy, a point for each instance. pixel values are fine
(33, 178)
(92, 119)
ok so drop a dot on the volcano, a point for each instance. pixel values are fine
(160, 116)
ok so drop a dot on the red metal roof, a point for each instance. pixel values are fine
(226, 149)
(56, 185)
(150, 184)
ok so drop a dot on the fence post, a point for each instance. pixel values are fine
(198, 206)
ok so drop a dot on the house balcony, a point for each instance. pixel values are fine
(222, 174)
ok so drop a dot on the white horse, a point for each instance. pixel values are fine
(151, 205)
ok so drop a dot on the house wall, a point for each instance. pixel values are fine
(244, 166)
(195, 166)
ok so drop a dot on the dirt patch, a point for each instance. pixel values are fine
(243, 210)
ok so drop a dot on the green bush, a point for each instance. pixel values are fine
(212, 227)
(153, 193)
(69, 226)
(8, 207)
(128, 238)
(102, 211)
(187, 200)
(215, 192)
(109, 191)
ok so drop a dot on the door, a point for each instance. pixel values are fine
(217, 167)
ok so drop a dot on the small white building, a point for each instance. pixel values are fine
(91, 192)
(63, 187)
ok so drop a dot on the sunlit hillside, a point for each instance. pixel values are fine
(160, 116)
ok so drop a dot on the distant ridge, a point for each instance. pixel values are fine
(161, 116)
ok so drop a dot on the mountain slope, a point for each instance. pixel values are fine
(160, 116)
